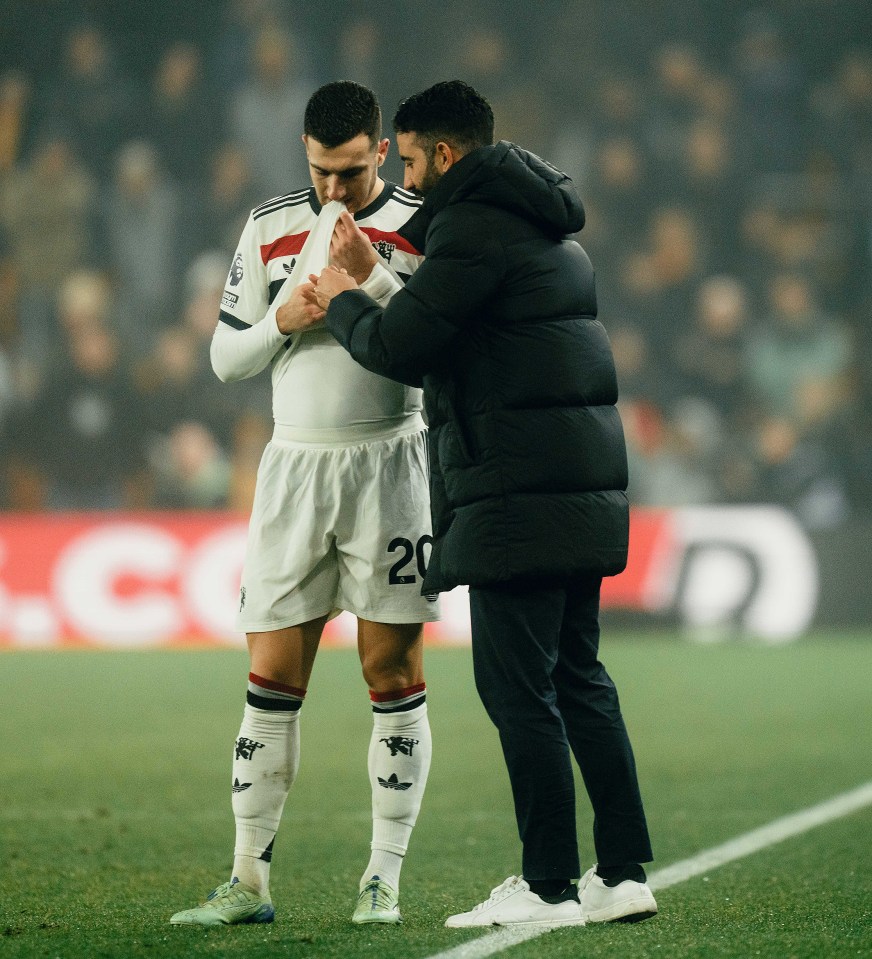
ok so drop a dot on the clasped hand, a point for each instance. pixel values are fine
(307, 305)
(352, 259)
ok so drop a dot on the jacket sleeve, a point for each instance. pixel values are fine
(415, 333)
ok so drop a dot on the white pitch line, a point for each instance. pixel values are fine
(774, 832)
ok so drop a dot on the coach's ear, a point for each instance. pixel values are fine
(445, 156)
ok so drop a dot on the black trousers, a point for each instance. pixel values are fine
(535, 651)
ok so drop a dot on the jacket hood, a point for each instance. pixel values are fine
(510, 178)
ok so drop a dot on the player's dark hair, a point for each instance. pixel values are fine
(451, 111)
(340, 111)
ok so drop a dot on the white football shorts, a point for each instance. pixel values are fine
(338, 528)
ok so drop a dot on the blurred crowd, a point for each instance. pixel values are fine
(723, 151)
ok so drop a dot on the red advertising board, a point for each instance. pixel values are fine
(172, 579)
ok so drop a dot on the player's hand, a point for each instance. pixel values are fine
(301, 310)
(351, 249)
(331, 283)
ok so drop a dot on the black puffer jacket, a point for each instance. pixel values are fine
(528, 463)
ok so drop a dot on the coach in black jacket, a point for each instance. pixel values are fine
(528, 479)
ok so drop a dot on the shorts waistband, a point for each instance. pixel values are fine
(349, 435)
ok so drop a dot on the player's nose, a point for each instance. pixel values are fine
(335, 189)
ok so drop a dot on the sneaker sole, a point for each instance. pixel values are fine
(636, 911)
(636, 917)
(520, 922)
(382, 920)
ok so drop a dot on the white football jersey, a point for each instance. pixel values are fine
(318, 389)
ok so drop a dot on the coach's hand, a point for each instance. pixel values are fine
(330, 283)
(301, 310)
(351, 249)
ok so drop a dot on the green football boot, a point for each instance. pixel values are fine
(377, 902)
(231, 904)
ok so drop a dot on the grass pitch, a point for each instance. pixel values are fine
(115, 808)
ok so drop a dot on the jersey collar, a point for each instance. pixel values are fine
(383, 197)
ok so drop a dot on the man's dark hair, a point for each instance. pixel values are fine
(451, 111)
(340, 111)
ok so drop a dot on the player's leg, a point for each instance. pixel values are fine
(265, 762)
(400, 749)
(588, 702)
(383, 540)
(288, 588)
(267, 752)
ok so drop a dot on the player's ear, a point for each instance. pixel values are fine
(382, 150)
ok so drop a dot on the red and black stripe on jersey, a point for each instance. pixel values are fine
(290, 244)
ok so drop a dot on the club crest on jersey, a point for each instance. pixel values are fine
(236, 271)
(385, 249)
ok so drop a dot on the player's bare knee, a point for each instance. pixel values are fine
(381, 674)
(386, 672)
(391, 656)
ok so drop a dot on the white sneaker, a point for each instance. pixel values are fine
(512, 903)
(629, 901)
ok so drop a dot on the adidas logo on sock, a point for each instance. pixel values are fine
(239, 787)
(392, 782)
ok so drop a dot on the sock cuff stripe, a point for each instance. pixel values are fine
(286, 704)
(395, 696)
(400, 706)
(261, 693)
(275, 687)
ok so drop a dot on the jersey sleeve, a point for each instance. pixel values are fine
(246, 337)
(382, 283)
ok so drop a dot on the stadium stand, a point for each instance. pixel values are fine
(724, 154)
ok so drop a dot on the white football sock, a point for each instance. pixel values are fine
(399, 762)
(265, 764)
